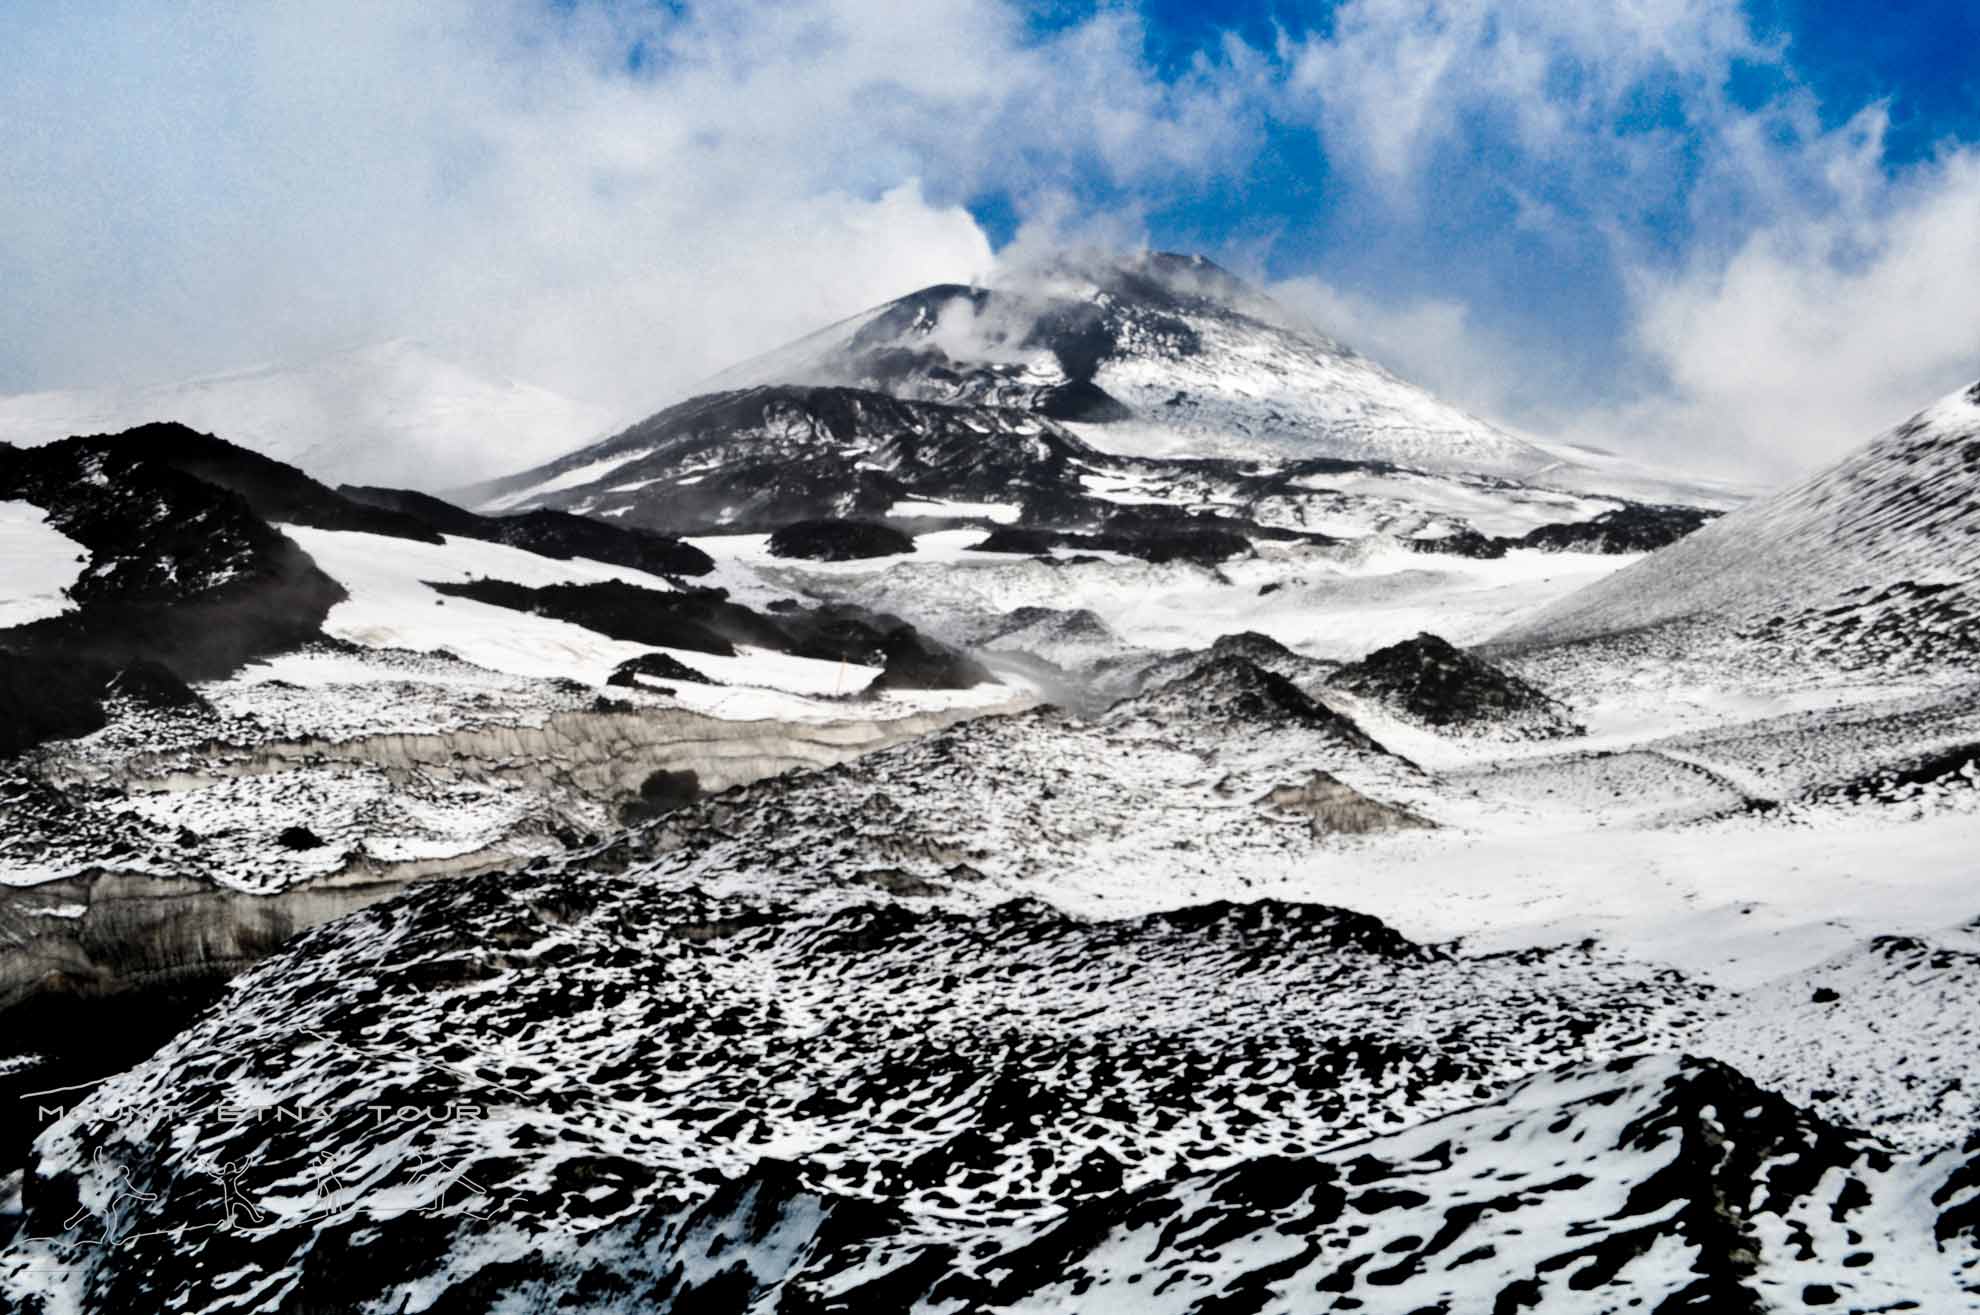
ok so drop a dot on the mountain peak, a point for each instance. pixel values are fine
(1156, 354)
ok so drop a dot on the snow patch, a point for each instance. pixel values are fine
(42, 563)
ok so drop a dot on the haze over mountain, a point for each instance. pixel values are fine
(396, 413)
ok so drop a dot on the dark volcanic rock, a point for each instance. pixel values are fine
(1232, 691)
(660, 666)
(299, 837)
(1261, 649)
(46, 699)
(691, 619)
(155, 533)
(1628, 529)
(1156, 543)
(661, 792)
(913, 661)
(154, 686)
(1025, 541)
(278, 493)
(1940, 772)
(1432, 681)
(547, 533)
(1132, 673)
(830, 540)
(182, 572)
(1634, 528)
(1463, 543)
(765, 457)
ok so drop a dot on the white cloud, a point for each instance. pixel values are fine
(207, 185)
(1820, 294)
(1821, 329)
(1393, 79)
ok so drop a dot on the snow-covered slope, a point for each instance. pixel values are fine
(597, 1083)
(1876, 558)
(396, 414)
(588, 919)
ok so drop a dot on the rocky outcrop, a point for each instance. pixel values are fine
(1432, 682)
(47, 699)
(1631, 528)
(915, 662)
(1131, 673)
(183, 574)
(547, 533)
(830, 540)
(1336, 808)
(656, 667)
(1231, 692)
(618, 610)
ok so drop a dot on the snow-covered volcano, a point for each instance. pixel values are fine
(1161, 355)
(1157, 354)
(1875, 557)
(1082, 393)
(395, 413)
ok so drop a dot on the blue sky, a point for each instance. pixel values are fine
(1732, 235)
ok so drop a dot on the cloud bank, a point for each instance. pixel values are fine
(613, 200)
(1783, 289)
(1633, 225)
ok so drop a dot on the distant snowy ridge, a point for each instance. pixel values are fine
(396, 413)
